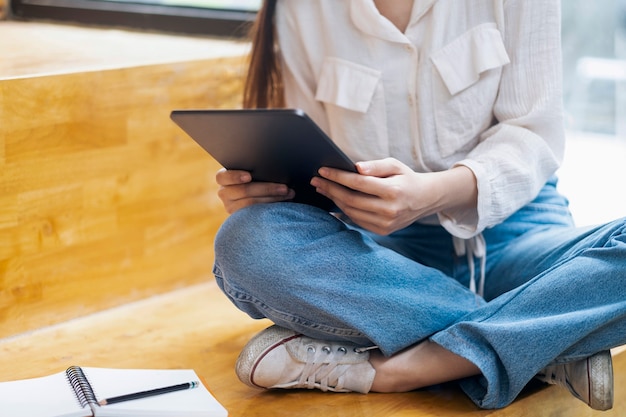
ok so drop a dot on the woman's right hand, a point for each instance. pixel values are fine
(238, 191)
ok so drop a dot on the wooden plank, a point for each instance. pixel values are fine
(104, 199)
(38, 48)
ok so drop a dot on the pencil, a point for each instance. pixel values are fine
(149, 393)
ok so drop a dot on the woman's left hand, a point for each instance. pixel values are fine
(386, 195)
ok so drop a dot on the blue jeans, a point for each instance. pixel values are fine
(553, 292)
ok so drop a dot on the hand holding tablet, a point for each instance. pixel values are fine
(275, 145)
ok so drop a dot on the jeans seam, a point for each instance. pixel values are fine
(243, 297)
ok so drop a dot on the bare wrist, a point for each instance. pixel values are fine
(458, 189)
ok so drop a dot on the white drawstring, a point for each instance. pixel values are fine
(474, 247)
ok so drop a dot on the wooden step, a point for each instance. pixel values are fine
(104, 200)
(198, 328)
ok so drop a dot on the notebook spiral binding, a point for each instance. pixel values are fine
(81, 386)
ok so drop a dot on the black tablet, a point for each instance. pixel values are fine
(275, 145)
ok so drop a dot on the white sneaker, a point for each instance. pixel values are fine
(590, 379)
(281, 358)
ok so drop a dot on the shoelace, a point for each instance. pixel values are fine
(323, 367)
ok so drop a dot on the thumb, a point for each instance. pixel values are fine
(381, 168)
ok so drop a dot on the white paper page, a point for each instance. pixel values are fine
(196, 402)
(48, 396)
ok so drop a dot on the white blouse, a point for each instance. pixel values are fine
(472, 82)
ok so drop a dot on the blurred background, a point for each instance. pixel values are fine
(594, 75)
(594, 58)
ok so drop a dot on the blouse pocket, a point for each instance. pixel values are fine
(469, 70)
(346, 84)
(353, 95)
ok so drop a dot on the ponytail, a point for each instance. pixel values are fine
(263, 87)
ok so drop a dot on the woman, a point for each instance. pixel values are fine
(452, 256)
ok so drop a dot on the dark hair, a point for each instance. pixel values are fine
(264, 87)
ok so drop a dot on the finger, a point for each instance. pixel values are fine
(255, 190)
(236, 197)
(225, 177)
(365, 184)
(382, 168)
(346, 198)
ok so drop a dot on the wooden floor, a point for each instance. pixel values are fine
(198, 328)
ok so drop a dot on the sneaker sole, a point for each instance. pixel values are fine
(600, 367)
(257, 348)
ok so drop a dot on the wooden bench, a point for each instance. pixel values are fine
(107, 216)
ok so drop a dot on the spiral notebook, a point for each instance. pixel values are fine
(75, 393)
